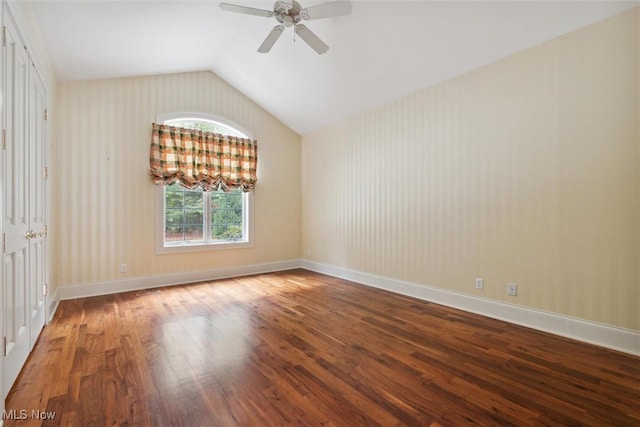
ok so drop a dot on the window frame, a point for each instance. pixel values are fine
(248, 210)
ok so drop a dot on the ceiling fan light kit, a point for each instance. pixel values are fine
(291, 14)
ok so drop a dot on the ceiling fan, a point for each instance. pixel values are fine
(290, 14)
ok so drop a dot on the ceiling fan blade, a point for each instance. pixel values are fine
(326, 10)
(311, 39)
(271, 39)
(246, 10)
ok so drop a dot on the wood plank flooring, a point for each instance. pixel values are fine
(300, 348)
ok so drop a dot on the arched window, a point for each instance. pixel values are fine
(193, 219)
(205, 122)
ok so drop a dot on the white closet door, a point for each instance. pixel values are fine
(15, 219)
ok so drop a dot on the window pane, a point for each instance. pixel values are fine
(174, 234)
(227, 232)
(174, 196)
(227, 215)
(193, 199)
(174, 218)
(193, 217)
(217, 200)
(205, 125)
(184, 215)
(193, 232)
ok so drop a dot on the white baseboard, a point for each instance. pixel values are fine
(146, 282)
(52, 307)
(625, 340)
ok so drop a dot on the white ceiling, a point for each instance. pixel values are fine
(382, 51)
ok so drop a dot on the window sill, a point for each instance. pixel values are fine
(202, 247)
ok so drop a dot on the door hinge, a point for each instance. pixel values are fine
(45, 289)
(5, 346)
(46, 114)
(45, 172)
(4, 243)
(4, 36)
(4, 139)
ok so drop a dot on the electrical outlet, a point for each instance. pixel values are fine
(123, 268)
(479, 283)
(512, 289)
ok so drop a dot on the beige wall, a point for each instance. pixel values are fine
(526, 170)
(105, 200)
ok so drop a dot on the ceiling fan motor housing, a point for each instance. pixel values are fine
(287, 14)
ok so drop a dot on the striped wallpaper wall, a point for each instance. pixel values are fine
(526, 170)
(104, 200)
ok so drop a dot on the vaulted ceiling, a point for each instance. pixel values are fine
(381, 51)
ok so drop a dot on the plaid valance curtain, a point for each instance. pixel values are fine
(202, 159)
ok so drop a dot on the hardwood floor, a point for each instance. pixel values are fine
(300, 348)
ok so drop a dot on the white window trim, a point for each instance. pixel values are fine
(204, 246)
